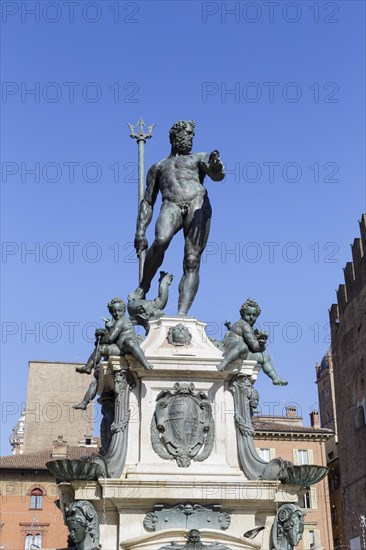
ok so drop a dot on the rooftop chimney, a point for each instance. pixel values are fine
(291, 411)
(59, 448)
(314, 419)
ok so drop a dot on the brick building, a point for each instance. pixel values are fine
(28, 514)
(348, 337)
(49, 428)
(328, 418)
(288, 438)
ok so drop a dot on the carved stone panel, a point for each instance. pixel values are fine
(194, 543)
(182, 427)
(179, 335)
(187, 516)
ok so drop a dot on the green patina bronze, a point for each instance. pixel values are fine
(88, 468)
(185, 205)
(186, 516)
(118, 338)
(288, 527)
(194, 543)
(244, 342)
(143, 311)
(83, 524)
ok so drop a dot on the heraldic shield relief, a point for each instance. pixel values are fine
(182, 425)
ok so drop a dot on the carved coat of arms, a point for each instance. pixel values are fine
(182, 425)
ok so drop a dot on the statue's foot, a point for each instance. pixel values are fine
(182, 314)
(82, 406)
(222, 366)
(279, 382)
(86, 369)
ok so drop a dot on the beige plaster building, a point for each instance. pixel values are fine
(328, 418)
(53, 387)
(288, 438)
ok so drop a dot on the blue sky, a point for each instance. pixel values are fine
(277, 87)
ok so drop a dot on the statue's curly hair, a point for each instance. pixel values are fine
(83, 512)
(249, 303)
(284, 522)
(179, 126)
(116, 301)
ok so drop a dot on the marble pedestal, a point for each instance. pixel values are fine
(148, 480)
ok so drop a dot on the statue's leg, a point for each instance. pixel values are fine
(196, 232)
(133, 347)
(91, 392)
(93, 360)
(236, 350)
(168, 223)
(270, 371)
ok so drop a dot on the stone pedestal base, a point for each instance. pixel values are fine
(183, 356)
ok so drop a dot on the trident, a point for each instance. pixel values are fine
(141, 138)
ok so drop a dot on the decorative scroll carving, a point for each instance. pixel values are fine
(246, 400)
(114, 429)
(182, 425)
(187, 516)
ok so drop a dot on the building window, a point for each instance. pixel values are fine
(334, 483)
(307, 500)
(331, 455)
(265, 454)
(302, 457)
(312, 539)
(334, 514)
(33, 541)
(36, 499)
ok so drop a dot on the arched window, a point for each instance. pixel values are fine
(33, 541)
(36, 499)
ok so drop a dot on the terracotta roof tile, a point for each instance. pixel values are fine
(37, 460)
(265, 425)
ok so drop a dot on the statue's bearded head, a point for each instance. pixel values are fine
(181, 136)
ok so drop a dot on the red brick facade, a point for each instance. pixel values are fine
(348, 335)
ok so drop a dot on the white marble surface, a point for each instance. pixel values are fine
(148, 479)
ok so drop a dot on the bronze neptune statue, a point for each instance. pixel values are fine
(179, 178)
